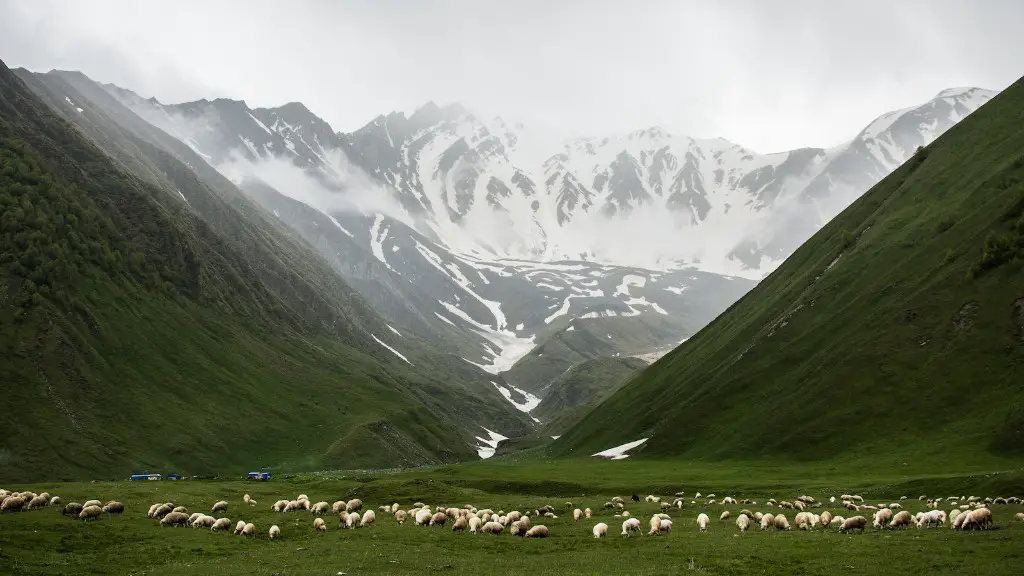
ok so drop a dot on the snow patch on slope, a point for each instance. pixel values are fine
(393, 351)
(619, 452)
(485, 449)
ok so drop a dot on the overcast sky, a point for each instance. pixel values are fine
(769, 74)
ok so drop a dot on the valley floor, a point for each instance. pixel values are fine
(44, 542)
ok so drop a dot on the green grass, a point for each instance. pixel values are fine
(141, 333)
(897, 331)
(579, 389)
(44, 542)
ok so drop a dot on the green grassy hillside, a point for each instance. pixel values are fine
(896, 331)
(139, 334)
(580, 388)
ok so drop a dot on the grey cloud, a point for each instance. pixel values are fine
(771, 75)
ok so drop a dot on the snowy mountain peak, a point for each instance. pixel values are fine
(646, 198)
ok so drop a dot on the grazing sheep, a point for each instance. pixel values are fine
(221, 524)
(804, 521)
(630, 525)
(96, 503)
(655, 526)
(181, 509)
(369, 517)
(338, 507)
(73, 508)
(90, 512)
(882, 518)
(743, 522)
(781, 523)
(319, 525)
(725, 515)
(320, 508)
(577, 514)
(538, 531)
(352, 521)
(113, 507)
(900, 520)
(767, 521)
(492, 528)
(204, 521)
(837, 521)
(703, 521)
(516, 529)
(221, 506)
(54, 501)
(172, 519)
(248, 530)
(825, 519)
(12, 503)
(354, 505)
(474, 524)
(37, 502)
(439, 518)
(854, 523)
(279, 506)
(980, 518)
(400, 516)
(600, 530)
(587, 513)
(274, 532)
(423, 517)
(461, 524)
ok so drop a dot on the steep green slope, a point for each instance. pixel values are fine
(586, 339)
(580, 388)
(898, 328)
(138, 334)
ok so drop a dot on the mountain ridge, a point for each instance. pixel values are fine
(894, 333)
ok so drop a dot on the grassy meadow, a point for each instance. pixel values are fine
(44, 542)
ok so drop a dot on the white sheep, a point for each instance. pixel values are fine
(461, 523)
(577, 514)
(854, 523)
(423, 517)
(743, 522)
(900, 520)
(90, 512)
(780, 522)
(320, 508)
(882, 518)
(352, 521)
(825, 519)
(239, 526)
(220, 524)
(354, 505)
(587, 513)
(87, 503)
(400, 516)
(113, 507)
(630, 525)
(319, 525)
(492, 528)
(53, 501)
(474, 524)
(274, 532)
(725, 515)
(368, 519)
(600, 530)
(538, 531)
(221, 506)
(703, 521)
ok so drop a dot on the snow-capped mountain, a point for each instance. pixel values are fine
(486, 238)
(648, 198)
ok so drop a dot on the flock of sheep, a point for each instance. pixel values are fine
(22, 501)
(966, 513)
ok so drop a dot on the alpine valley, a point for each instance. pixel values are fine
(525, 263)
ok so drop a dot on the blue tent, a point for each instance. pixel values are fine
(259, 476)
(144, 477)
